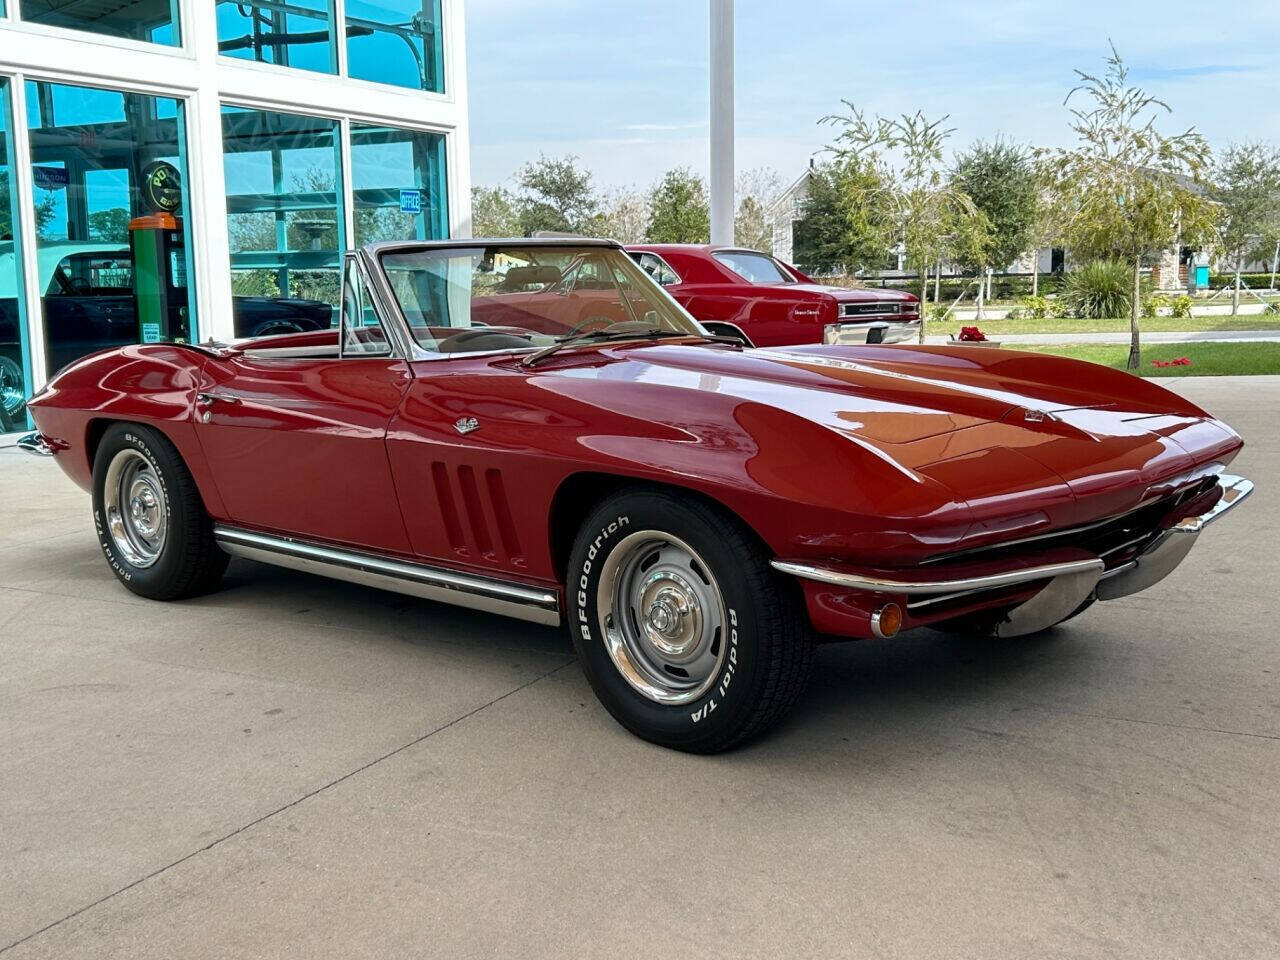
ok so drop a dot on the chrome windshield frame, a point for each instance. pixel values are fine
(388, 306)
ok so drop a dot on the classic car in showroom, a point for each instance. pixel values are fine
(697, 515)
(86, 292)
(766, 302)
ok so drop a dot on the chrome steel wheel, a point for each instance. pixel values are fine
(662, 617)
(135, 509)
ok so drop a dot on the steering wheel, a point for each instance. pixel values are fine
(79, 286)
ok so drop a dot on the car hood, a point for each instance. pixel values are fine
(988, 425)
(887, 395)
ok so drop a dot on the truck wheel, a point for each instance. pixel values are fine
(151, 522)
(686, 634)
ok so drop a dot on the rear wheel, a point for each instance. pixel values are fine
(151, 522)
(687, 636)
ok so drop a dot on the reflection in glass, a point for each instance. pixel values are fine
(155, 21)
(15, 355)
(284, 218)
(512, 296)
(397, 42)
(399, 181)
(113, 237)
(296, 33)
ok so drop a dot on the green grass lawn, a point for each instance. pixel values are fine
(997, 328)
(1207, 359)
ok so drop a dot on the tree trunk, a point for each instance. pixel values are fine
(982, 291)
(1035, 274)
(1235, 294)
(937, 282)
(1135, 311)
(924, 299)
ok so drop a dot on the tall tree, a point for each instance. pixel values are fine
(1000, 179)
(493, 213)
(819, 235)
(624, 216)
(1126, 189)
(678, 210)
(756, 190)
(1246, 187)
(846, 218)
(1046, 221)
(556, 194)
(931, 216)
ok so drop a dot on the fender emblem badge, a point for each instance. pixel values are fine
(1037, 416)
(465, 425)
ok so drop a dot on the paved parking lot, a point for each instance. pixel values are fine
(293, 767)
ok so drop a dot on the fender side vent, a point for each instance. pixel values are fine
(502, 515)
(475, 512)
(448, 508)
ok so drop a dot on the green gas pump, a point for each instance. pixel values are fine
(159, 258)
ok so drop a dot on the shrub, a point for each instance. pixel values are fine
(1252, 281)
(1016, 314)
(1182, 307)
(1272, 309)
(1037, 308)
(1098, 290)
(1152, 306)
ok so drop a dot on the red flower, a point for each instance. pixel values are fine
(1180, 362)
(972, 334)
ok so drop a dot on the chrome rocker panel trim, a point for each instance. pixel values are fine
(1070, 584)
(36, 444)
(415, 579)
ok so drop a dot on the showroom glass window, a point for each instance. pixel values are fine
(298, 33)
(398, 179)
(284, 217)
(155, 21)
(397, 42)
(113, 245)
(15, 354)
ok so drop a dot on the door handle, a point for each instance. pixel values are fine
(209, 399)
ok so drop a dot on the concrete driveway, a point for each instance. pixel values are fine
(297, 768)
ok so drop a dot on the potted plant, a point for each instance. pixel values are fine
(972, 335)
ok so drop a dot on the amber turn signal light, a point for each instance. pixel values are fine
(887, 621)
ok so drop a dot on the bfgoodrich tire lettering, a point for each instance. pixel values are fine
(716, 646)
(151, 523)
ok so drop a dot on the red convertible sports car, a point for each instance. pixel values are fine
(767, 303)
(696, 514)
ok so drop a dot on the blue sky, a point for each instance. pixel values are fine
(624, 84)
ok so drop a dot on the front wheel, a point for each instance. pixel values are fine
(686, 634)
(151, 521)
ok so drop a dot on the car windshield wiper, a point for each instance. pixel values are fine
(604, 336)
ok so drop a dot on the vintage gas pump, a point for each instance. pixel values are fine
(159, 258)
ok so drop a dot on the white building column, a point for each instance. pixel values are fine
(722, 185)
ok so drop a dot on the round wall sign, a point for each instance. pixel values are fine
(161, 186)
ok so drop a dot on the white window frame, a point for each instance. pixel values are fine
(204, 80)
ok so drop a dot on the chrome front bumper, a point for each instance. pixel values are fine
(853, 332)
(35, 443)
(1069, 584)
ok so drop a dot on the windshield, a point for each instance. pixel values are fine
(754, 267)
(505, 296)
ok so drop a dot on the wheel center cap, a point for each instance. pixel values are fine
(664, 617)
